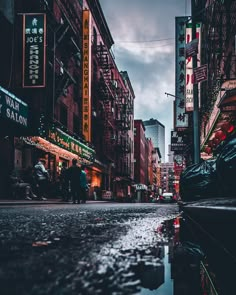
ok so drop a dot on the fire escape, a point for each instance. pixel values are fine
(219, 50)
(107, 96)
(123, 146)
(64, 29)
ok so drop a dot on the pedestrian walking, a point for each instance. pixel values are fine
(64, 182)
(74, 173)
(41, 178)
(83, 184)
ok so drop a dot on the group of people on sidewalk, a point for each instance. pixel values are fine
(74, 183)
(34, 185)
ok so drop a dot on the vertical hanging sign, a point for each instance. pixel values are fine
(86, 83)
(189, 65)
(34, 50)
(181, 118)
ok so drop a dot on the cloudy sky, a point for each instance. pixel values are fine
(144, 32)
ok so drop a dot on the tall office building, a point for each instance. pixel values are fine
(170, 154)
(156, 131)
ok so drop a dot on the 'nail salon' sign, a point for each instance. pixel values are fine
(34, 50)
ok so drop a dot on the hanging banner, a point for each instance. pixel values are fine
(86, 84)
(34, 50)
(181, 118)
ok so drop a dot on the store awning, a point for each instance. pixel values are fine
(228, 101)
(49, 147)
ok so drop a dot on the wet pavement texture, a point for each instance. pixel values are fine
(86, 249)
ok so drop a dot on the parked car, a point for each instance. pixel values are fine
(168, 198)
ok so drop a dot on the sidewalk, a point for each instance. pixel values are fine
(216, 212)
(56, 201)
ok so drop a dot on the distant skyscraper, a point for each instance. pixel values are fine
(156, 131)
(170, 154)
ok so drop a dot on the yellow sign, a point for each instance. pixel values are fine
(86, 98)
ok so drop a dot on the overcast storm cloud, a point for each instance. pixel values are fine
(144, 32)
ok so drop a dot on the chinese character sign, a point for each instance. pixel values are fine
(178, 141)
(34, 50)
(86, 98)
(189, 66)
(181, 118)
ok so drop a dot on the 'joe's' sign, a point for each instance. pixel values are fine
(34, 49)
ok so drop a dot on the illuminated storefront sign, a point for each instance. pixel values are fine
(69, 143)
(86, 97)
(181, 118)
(13, 108)
(34, 50)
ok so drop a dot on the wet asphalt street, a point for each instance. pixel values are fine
(79, 249)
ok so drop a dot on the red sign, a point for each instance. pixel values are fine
(200, 74)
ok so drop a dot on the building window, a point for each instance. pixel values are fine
(95, 37)
(63, 115)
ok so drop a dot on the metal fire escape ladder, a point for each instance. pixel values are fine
(105, 71)
(109, 136)
(215, 25)
(66, 27)
(123, 121)
(229, 59)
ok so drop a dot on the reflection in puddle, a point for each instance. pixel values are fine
(179, 271)
(160, 281)
(152, 258)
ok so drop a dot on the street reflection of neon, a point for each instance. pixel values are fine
(206, 281)
(177, 222)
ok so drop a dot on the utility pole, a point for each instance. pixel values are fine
(196, 133)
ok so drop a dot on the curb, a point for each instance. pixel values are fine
(48, 202)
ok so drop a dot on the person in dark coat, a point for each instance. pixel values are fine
(21, 187)
(83, 184)
(64, 182)
(74, 173)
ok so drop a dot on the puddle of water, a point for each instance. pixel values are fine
(163, 275)
(153, 258)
